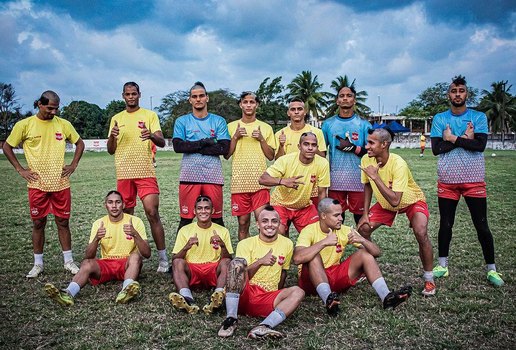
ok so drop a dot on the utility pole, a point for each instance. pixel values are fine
(151, 103)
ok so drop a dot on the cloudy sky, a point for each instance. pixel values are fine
(86, 50)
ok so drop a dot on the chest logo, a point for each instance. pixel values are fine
(354, 136)
(338, 248)
(313, 178)
(141, 124)
(59, 136)
(281, 260)
(212, 133)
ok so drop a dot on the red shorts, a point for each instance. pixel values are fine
(245, 203)
(43, 203)
(338, 278)
(315, 201)
(256, 301)
(386, 217)
(349, 200)
(130, 187)
(300, 217)
(110, 270)
(454, 191)
(188, 194)
(203, 275)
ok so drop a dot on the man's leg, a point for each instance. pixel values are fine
(65, 238)
(319, 279)
(217, 297)
(367, 230)
(184, 299)
(235, 282)
(447, 209)
(419, 223)
(151, 206)
(38, 241)
(244, 221)
(478, 211)
(130, 287)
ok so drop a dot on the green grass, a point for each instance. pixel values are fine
(467, 312)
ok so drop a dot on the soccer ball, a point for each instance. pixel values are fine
(493, 155)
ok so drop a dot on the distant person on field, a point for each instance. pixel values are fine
(123, 245)
(459, 137)
(252, 144)
(422, 144)
(200, 259)
(346, 137)
(320, 248)
(202, 137)
(131, 134)
(294, 176)
(44, 137)
(388, 176)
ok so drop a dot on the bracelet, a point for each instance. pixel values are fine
(279, 183)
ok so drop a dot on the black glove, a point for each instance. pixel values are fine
(209, 141)
(345, 145)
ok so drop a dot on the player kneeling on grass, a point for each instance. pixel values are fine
(257, 289)
(123, 243)
(320, 247)
(200, 258)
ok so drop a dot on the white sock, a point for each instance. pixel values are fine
(186, 292)
(38, 259)
(323, 289)
(73, 288)
(163, 255)
(67, 256)
(219, 289)
(274, 318)
(127, 282)
(381, 288)
(443, 261)
(232, 300)
(491, 267)
(428, 276)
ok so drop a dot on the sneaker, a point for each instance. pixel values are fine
(228, 327)
(35, 271)
(72, 267)
(440, 271)
(129, 292)
(181, 303)
(216, 301)
(62, 297)
(494, 278)
(429, 289)
(332, 304)
(393, 299)
(163, 266)
(263, 331)
(154, 164)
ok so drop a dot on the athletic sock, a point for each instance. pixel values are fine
(443, 261)
(428, 276)
(127, 282)
(491, 267)
(381, 288)
(274, 318)
(163, 255)
(232, 300)
(67, 256)
(323, 289)
(186, 293)
(73, 288)
(38, 259)
(219, 289)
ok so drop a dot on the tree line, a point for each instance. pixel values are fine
(91, 121)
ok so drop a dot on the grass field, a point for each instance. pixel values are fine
(466, 313)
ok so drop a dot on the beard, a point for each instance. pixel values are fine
(458, 104)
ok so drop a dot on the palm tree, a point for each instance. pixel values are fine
(360, 97)
(499, 107)
(305, 87)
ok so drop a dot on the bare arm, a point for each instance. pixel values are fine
(303, 255)
(322, 193)
(70, 169)
(283, 277)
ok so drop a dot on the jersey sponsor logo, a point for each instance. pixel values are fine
(184, 209)
(59, 136)
(34, 211)
(281, 260)
(141, 124)
(354, 136)
(313, 178)
(338, 248)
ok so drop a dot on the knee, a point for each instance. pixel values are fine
(39, 224)
(135, 259)
(224, 263)
(62, 222)
(298, 293)
(365, 231)
(421, 234)
(178, 264)
(88, 265)
(152, 214)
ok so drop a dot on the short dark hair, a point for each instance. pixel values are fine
(325, 203)
(305, 134)
(113, 192)
(458, 80)
(46, 97)
(352, 88)
(248, 93)
(269, 207)
(383, 133)
(296, 99)
(197, 85)
(203, 198)
(131, 83)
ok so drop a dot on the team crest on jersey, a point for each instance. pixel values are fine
(281, 260)
(141, 124)
(184, 209)
(34, 211)
(354, 136)
(390, 185)
(212, 133)
(59, 136)
(338, 248)
(313, 178)
(128, 237)
(235, 207)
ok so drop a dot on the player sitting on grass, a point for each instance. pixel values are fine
(320, 247)
(200, 258)
(256, 277)
(123, 243)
